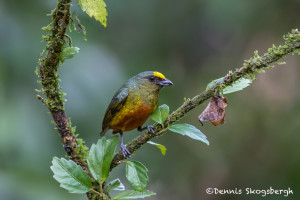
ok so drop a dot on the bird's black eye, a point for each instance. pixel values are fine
(151, 78)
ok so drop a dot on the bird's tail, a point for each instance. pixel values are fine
(103, 131)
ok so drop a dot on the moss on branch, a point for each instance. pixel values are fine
(51, 58)
(49, 78)
(248, 70)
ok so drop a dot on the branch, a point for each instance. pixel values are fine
(49, 78)
(250, 67)
(48, 66)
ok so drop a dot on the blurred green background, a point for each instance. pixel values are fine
(192, 42)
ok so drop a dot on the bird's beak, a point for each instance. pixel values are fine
(165, 82)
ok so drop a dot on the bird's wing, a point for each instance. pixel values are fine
(115, 105)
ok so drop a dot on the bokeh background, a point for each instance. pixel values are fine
(192, 42)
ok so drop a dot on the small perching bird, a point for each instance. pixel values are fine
(133, 103)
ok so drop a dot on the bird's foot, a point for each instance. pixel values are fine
(125, 151)
(150, 129)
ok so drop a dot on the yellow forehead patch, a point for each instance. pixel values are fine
(159, 75)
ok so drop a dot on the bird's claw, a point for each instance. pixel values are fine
(125, 151)
(150, 129)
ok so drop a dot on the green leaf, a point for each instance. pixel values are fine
(96, 9)
(190, 131)
(100, 157)
(214, 82)
(160, 114)
(162, 148)
(131, 194)
(237, 85)
(69, 52)
(114, 185)
(71, 176)
(136, 174)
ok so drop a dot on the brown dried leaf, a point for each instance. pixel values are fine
(215, 111)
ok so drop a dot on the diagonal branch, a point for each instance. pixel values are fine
(250, 67)
(49, 78)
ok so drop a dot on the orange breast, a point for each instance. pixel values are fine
(129, 119)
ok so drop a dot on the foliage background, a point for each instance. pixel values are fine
(191, 42)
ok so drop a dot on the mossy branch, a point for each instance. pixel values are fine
(250, 68)
(49, 78)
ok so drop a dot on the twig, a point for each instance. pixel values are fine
(42, 100)
(96, 192)
(250, 67)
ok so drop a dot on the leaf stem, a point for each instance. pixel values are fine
(100, 188)
(97, 192)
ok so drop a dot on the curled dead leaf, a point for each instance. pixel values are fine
(215, 111)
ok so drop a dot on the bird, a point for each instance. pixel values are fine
(132, 105)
